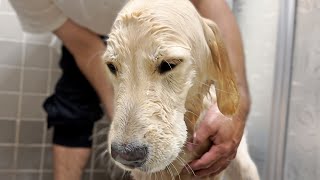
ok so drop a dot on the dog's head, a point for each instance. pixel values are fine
(160, 54)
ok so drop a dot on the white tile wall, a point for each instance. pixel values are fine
(35, 81)
(11, 53)
(9, 105)
(37, 55)
(29, 71)
(9, 79)
(25, 73)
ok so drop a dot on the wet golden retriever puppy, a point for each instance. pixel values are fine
(162, 58)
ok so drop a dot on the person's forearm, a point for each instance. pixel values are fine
(87, 49)
(220, 13)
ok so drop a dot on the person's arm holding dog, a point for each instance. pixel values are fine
(224, 134)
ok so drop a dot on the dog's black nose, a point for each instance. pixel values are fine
(130, 155)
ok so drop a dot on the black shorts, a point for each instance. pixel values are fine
(74, 106)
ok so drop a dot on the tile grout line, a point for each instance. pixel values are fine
(24, 119)
(24, 145)
(17, 67)
(35, 42)
(37, 171)
(45, 127)
(43, 147)
(7, 13)
(19, 112)
(28, 68)
(26, 93)
(8, 119)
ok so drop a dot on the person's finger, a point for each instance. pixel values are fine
(207, 128)
(214, 155)
(225, 163)
(215, 169)
(220, 169)
(207, 159)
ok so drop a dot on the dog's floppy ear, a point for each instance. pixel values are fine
(220, 70)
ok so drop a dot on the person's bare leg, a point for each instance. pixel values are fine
(69, 163)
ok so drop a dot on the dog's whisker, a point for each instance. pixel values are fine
(101, 146)
(172, 176)
(207, 85)
(103, 143)
(183, 163)
(192, 143)
(104, 153)
(180, 162)
(102, 156)
(186, 118)
(155, 176)
(188, 167)
(192, 123)
(124, 174)
(192, 113)
(96, 135)
(161, 174)
(149, 175)
(101, 132)
(217, 89)
(176, 171)
(169, 170)
(105, 129)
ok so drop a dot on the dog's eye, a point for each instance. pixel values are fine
(166, 66)
(112, 68)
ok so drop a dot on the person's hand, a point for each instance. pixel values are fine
(225, 134)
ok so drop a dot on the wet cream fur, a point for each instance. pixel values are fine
(162, 110)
